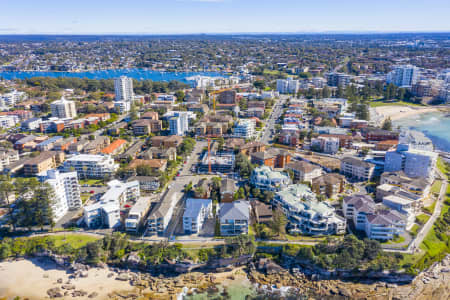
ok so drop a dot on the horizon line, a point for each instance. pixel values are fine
(334, 32)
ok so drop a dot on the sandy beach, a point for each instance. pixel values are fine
(399, 112)
(32, 278)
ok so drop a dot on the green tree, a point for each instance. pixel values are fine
(278, 223)
(387, 124)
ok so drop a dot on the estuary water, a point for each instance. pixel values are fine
(138, 74)
(435, 125)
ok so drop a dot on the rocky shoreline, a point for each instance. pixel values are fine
(267, 278)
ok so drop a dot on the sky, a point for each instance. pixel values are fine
(221, 16)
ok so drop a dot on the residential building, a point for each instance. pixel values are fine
(91, 166)
(31, 124)
(304, 171)
(123, 87)
(338, 79)
(49, 143)
(262, 212)
(305, 214)
(63, 109)
(122, 106)
(136, 215)
(7, 157)
(227, 190)
(274, 158)
(404, 206)
(115, 147)
(160, 153)
(415, 163)
(287, 86)
(419, 186)
(106, 212)
(403, 75)
(377, 221)
(234, 218)
(220, 162)
(264, 178)
(416, 140)
(329, 184)
(324, 144)
(179, 124)
(376, 134)
(197, 211)
(245, 128)
(66, 191)
(8, 121)
(357, 169)
(95, 146)
(44, 161)
(166, 141)
(146, 183)
(160, 216)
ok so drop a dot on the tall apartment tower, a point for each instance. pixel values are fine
(66, 191)
(403, 75)
(63, 108)
(123, 87)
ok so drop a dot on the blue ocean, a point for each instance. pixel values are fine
(435, 125)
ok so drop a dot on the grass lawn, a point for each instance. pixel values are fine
(90, 181)
(299, 238)
(414, 229)
(432, 244)
(442, 167)
(430, 209)
(436, 187)
(422, 218)
(400, 239)
(75, 240)
(391, 103)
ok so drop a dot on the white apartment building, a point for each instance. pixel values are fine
(196, 213)
(415, 163)
(91, 166)
(288, 86)
(357, 169)
(10, 99)
(123, 87)
(106, 212)
(403, 75)
(328, 145)
(377, 221)
(66, 191)
(404, 206)
(122, 106)
(7, 157)
(8, 121)
(63, 109)
(265, 178)
(179, 124)
(416, 140)
(305, 214)
(245, 128)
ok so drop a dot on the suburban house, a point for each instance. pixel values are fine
(227, 190)
(234, 218)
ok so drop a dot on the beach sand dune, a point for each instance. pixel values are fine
(32, 278)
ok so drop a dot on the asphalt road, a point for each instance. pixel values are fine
(270, 124)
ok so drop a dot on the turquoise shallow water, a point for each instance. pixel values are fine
(139, 74)
(435, 125)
